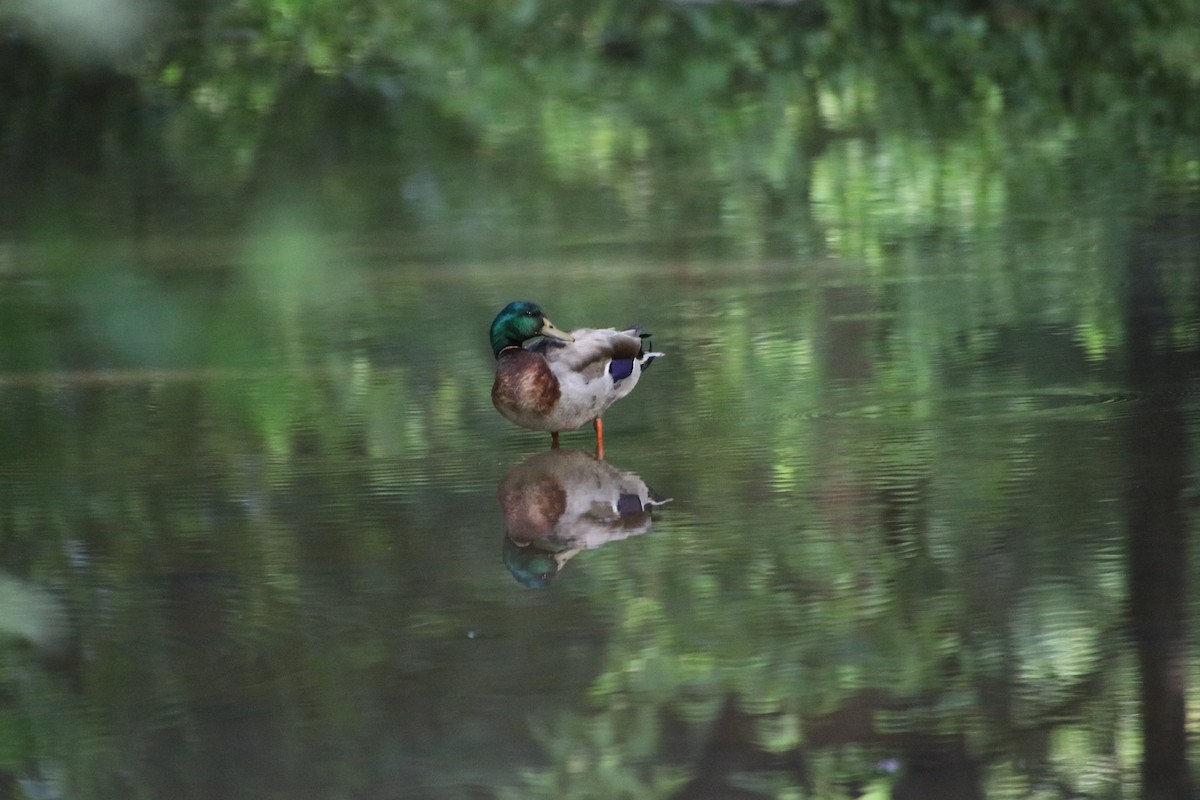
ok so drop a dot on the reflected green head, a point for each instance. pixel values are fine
(532, 567)
(516, 323)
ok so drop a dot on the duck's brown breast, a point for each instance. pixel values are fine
(532, 506)
(524, 383)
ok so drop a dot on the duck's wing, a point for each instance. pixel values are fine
(594, 349)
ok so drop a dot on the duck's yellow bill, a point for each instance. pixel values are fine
(548, 329)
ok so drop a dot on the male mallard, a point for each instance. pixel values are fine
(549, 380)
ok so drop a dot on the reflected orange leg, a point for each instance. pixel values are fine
(554, 440)
(599, 426)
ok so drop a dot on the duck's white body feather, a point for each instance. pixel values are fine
(585, 379)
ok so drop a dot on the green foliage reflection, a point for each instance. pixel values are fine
(246, 437)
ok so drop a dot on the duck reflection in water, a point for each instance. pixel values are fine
(560, 502)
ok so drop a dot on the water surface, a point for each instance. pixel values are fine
(256, 509)
(904, 512)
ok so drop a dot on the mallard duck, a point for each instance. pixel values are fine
(560, 502)
(550, 380)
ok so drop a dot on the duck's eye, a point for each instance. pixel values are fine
(531, 313)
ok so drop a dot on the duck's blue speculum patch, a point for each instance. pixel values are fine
(620, 368)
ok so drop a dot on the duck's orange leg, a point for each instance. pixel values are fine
(554, 440)
(599, 426)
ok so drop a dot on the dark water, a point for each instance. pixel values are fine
(255, 541)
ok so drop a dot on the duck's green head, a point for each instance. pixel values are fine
(532, 566)
(520, 321)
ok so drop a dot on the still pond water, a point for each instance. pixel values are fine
(905, 526)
